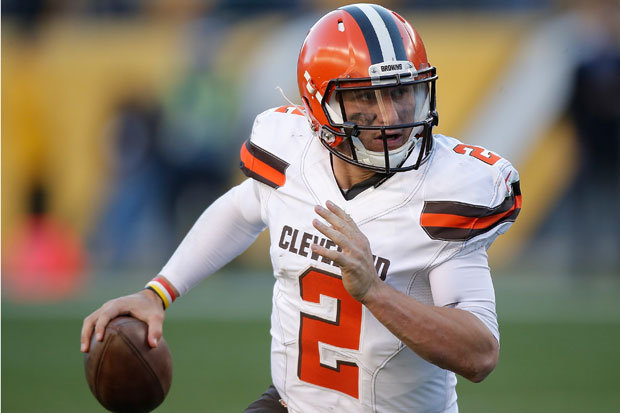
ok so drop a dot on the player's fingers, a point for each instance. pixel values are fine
(102, 321)
(340, 213)
(349, 227)
(345, 234)
(338, 237)
(339, 220)
(155, 330)
(336, 256)
(87, 332)
(331, 218)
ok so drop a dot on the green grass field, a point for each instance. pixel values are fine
(560, 349)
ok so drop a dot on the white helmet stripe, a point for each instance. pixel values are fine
(383, 35)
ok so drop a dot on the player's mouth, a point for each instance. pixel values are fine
(394, 140)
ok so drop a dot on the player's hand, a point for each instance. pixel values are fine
(355, 260)
(144, 305)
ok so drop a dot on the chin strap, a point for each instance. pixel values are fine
(372, 158)
(426, 145)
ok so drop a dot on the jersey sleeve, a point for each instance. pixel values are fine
(479, 200)
(223, 231)
(264, 166)
(273, 144)
(464, 282)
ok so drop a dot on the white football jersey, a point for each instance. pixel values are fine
(329, 353)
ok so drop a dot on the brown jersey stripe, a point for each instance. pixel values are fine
(463, 234)
(456, 221)
(459, 221)
(263, 166)
(469, 210)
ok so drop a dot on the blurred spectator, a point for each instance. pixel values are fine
(113, 8)
(595, 109)
(134, 225)
(172, 159)
(201, 111)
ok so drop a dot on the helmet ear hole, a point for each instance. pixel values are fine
(340, 25)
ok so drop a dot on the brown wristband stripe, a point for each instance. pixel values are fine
(163, 289)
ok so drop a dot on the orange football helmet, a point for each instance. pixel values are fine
(368, 88)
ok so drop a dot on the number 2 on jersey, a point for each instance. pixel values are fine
(343, 333)
(478, 153)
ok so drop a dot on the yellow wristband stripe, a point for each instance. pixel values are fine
(161, 292)
(163, 303)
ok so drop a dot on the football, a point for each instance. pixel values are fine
(123, 372)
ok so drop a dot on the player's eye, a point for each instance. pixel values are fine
(399, 93)
(362, 118)
(366, 96)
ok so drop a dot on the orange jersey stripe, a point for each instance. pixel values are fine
(459, 221)
(289, 109)
(261, 168)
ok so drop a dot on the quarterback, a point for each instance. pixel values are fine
(379, 231)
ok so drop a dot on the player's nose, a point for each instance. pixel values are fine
(389, 113)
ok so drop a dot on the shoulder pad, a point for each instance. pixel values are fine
(266, 155)
(261, 165)
(295, 110)
(480, 192)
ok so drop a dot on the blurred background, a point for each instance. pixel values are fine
(122, 121)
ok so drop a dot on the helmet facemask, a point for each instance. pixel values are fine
(382, 119)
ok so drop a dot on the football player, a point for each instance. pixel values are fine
(379, 230)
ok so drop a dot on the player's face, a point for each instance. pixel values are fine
(381, 107)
